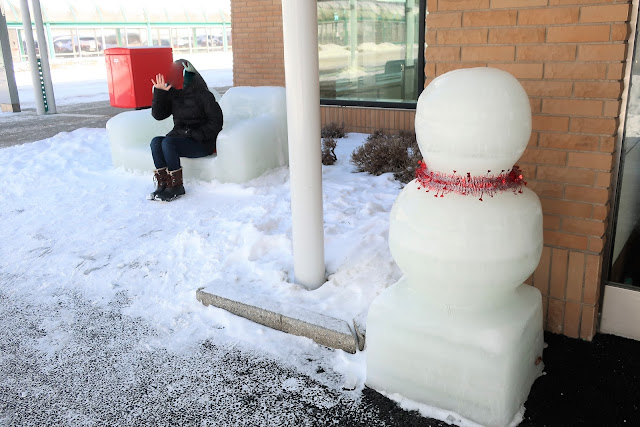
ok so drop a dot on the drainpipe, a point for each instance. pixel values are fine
(300, 34)
(31, 53)
(44, 57)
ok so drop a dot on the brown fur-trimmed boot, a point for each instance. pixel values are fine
(174, 188)
(161, 178)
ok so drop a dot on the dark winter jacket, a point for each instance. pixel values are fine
(196, 114)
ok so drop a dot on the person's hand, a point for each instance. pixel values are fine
(159, 83)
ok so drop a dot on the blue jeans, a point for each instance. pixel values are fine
(167, 150)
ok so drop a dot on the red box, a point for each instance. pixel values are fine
(129, 73)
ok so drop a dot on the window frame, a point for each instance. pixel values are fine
(422, 14)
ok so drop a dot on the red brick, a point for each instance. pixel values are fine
(541, 156)
(619, 32)
(444, 20)
(606, 126)
(611, 109)
(431, 37)
(430, 69)
(566, 175)
(596, 244)
(558, 281)
(575, 276)
(564, 240)
(574, 2)
(602, 52)
(611, 90)
(548, 16)
(591, 160)
(463, 4)
(521, 71)
(445, 67)
(462, 36)
(607, 144)
(600, 212)
(488, 53)
(546, 189)
(615, 71)
(516, 35)
(586, 194)
(555, 316)
(536, 106)
(492, 18)
(550, 123)
(499, 4)
(605, 13)
(603, 179)
(572, 107)
(566, 208)
(551, 222)
(578, 34)
(592, 279)
(572, 318)
(547, 88)
(573, 71)
(436, 53)
(588, 323)
(546, 53)
(583, 226)
(569, 141)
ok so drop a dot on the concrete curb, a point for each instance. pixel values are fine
(324, 330)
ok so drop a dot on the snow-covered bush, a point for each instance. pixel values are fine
(382, 153)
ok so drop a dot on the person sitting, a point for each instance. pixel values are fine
(197, 120)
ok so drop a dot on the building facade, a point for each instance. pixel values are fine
(574, 59)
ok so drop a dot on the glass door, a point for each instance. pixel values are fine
(621, 301)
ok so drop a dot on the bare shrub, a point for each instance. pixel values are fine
(328, 153)
(333, 130)
(382, 153)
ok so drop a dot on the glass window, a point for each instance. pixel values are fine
(368, 50)
(625, 253)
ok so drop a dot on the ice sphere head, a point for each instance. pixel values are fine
(473, 120)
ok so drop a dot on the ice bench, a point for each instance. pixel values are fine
(253, 138)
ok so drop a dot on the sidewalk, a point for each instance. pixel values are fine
(27, 126)
(585, 383)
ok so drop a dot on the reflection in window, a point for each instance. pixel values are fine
(368, 50)
(625, 267)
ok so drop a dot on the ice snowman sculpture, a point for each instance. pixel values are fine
(460, 331)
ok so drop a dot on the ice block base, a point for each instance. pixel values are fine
(478, 364)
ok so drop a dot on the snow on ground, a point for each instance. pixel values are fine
(76, 228)
(82, 245)
(85, 80)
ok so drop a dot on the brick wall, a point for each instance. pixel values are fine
(569, 55)
(258, 54)
(368, 120)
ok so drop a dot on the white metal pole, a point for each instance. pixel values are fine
(31, 52)
(300, 33)
(44, 56)
(6, 62)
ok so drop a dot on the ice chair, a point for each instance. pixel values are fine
(253, 138)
